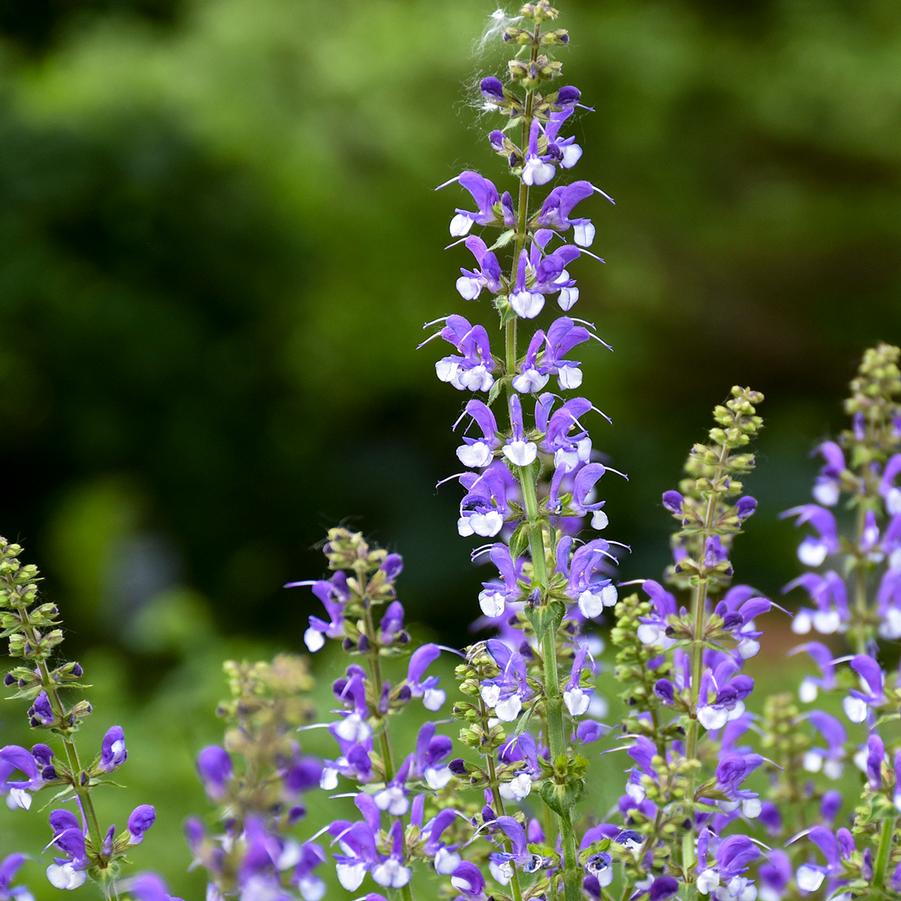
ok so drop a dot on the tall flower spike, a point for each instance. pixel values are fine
(681, 670)
(537, 476)
(398, 799)
(853, 582)
(854, 579)
(82, 849)
(258, 778)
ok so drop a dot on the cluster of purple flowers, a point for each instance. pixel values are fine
(687, 796)
(389, 794)
(852, 553)
(722, 797)
(532, 473)
(258, 778)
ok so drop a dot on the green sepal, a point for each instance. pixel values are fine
(546, 618)
(562, 798)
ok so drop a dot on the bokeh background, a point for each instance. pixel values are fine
(218, 244)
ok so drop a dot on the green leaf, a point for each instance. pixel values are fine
(495, 391)
(503, 239)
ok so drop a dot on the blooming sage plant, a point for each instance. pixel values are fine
(462, 774)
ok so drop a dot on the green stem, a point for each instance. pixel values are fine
(499, 801)
(698, 614)
(375, 672)
(884, 852)
(556, 738)
(861, 612)
(74, 762)
(572, 877)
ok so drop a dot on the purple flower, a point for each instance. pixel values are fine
(492, 209)
(468, 879)
(492, 89)
(41, 713)
(334, 594)
(556, 211)
(485, 505)
(874, 759)
(587, 579)
(729, 689)
(813, 550)
(715, 552)
(147, 887)
(829, 759)
(8, 869)
(663, 887)
(487, 275)
(422, 686)
(430, 755)
(478, 452)
(470, 369)
(15, 759)
(673, 501)
(834, 847)
(828, 484)
(857, 703)
(776, 872)
(215, 768)
(536, 170)
(141, 819)
(497, 593)
(829, 594)
(575, 697)
(302, 774)
(69, 871)
(113, 752)
(518, 450)
(822, 656)
(600, 868)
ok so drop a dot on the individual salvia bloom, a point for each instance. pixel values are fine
(258, 778)
(533, 476)
(81, 848)
(854, 569)
(9, 866)
(681, 671)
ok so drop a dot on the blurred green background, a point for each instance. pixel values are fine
(220, 241)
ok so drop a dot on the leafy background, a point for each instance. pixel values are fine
(219, 242)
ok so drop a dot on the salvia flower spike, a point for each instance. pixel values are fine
(533, 473)
(81, 848)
